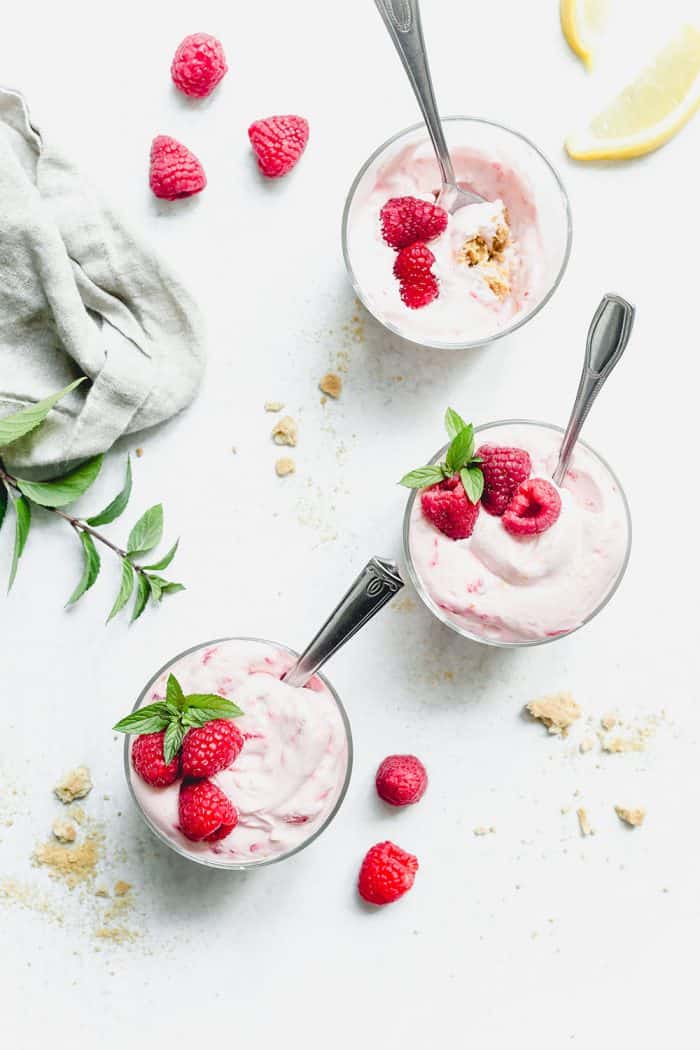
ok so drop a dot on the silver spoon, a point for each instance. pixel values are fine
(378, 582)
(402, 19)
(608, 336)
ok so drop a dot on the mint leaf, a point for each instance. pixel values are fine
(15, 426)
(3, 502)
(453, 423)
(422, 477)
(143, 589)
(172, 741)
(165, 560)
(118, 504)
(172, 588)
(217, 706)
(125, 589)
(23, 520)
(150, 719)
(156, 589)
(147, 532)
(91, 567)
(461, 449)
(473, 481)
(174, 694)
(63, 490)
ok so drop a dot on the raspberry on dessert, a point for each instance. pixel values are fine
(278, 143)
(199, 64)
(503, 469)
(405, 220)
(446, 505)
(533, 509)
(401, 780)
(205, 813)
(175, 172)
(149, 762)
(420, 291)
(211, 748)
(387, 872)
(413, 261)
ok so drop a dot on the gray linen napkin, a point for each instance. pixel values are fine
(80, 294)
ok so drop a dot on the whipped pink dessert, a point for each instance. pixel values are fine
(504, 587)
(494, 262)
(291, 769)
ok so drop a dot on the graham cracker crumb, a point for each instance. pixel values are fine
(78, 814)
(71, 863)
(501, 239)
(633, 817)
(115, 934)
(76, 784)
(121, 888)
(608, 722)
(583, 821)
(620, 745)
(102, 891)
(285, 431)
(274, 406)
(285, 466)
(331, 384)
(474, 251)
(557, 712)
(139, 452)
(483, 830)
(586, 745)
(497, 278)
(64, 830)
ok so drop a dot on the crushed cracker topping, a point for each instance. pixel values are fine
(583, 821)
(557, 712)
(633, 817)
(331, 384)
(285, 431)
(64, 830)
(274, 406)
(76, 784)
(284, 466)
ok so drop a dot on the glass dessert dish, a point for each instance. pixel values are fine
(520, 590)
(292, 773)
(487, 288)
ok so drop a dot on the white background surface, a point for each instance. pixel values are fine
(533, 934)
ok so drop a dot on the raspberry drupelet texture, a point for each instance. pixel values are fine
(401, 780)
(387, 872)
(533, 509)
(447, 506)
(419, 292)
(211, 748)
(148, 760)
(204, 811)
(175, 171)
(278, 143)
(413, 262)
(503, 469)
(199, 65)
(405, 220)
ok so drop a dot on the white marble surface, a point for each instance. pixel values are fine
(529, 936)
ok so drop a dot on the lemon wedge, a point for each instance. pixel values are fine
(581, 22)
(650, 110)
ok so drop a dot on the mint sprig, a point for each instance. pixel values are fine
(176, 714)
(460, 459)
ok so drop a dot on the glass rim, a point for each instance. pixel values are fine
(441, 615)
(518, 322)
(203, 859)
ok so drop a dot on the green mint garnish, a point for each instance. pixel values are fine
(460, 459)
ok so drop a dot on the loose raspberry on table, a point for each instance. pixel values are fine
(503, 469)
(387, 872)
(199, 65)
(210, 748)
(413, 261)
(405, 220)
(149, 762)
(533, 509)
(278, 143)
(419, 292)
(205, 813)
(447, 506)
(175, 171)
(401, 780)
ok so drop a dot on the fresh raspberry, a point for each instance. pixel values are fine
(199, 65)
(533, 509)
(420, 291)
(413, 262)
(175, 171)
(401, 780)
(278, 142)
(406, 220)
(204, 811)
(387, 872)
(148, 761)
(503, 469)
(447, 506)
(211, 748)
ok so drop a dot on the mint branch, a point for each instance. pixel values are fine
(459, 459)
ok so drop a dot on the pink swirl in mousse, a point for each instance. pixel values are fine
(510, 589)
(293, 765)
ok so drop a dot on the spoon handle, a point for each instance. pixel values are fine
(378, 582)
(402, 20)
(608, 336)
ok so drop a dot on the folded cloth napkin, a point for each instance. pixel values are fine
(80, 294)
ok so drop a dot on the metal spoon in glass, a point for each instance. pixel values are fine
(402, 20)
(608, 336)
(378, 582)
